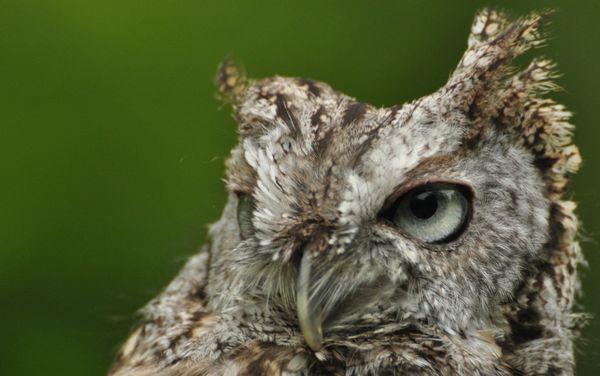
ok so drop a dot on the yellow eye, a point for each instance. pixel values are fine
(244, 215)
(433, 213)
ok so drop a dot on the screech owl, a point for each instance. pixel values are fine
(426, 238)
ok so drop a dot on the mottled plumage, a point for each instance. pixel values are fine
(304, 243)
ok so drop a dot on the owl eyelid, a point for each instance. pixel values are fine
(405, 188)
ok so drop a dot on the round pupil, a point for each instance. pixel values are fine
(424, 205)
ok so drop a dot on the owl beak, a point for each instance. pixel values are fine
(310, 318)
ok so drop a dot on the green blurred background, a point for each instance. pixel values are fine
(112, 144)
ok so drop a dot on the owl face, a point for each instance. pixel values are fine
(342, 215)
(392, 210)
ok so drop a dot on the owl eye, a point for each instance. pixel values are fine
(244, 215)
(433, 213)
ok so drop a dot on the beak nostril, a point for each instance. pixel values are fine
(312, 236)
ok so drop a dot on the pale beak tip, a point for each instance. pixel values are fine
(314, 339)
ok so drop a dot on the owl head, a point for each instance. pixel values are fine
(345, 218)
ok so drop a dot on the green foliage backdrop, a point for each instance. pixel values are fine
(112, 144)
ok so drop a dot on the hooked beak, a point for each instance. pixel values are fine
(309, 316)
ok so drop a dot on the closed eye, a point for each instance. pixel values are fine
(245, 210)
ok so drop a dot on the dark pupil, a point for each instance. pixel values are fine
(423, 205)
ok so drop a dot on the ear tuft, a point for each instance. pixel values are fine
(231, 81)
(493, 44)
(485, 88)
